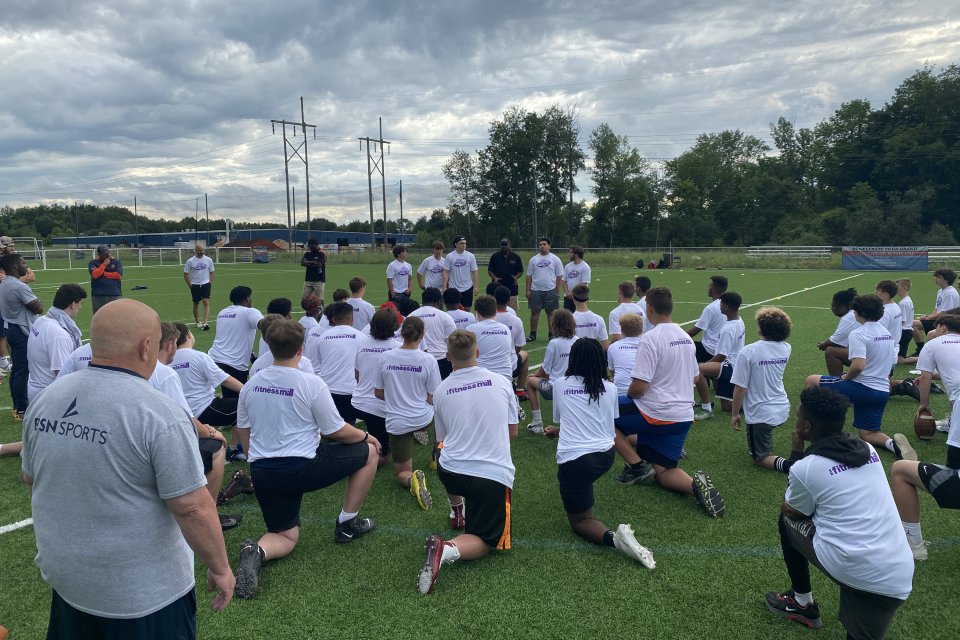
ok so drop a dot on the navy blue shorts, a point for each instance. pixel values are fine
(868, 404)
(724, 388)
(660, 444)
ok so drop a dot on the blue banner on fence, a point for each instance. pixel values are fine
(884, 258)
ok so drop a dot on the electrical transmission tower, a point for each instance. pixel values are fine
(289, 151)
(376, 164)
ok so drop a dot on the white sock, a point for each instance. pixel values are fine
(889, 445)
(344, 517)
(536, 416)
(450, 553)
(912, 529)
(706, 406)
(803, 599)
(5, 360)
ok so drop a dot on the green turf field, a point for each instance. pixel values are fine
(711, 574)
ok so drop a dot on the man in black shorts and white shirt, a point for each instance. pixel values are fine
(282, 414)
(475, 414)
(236, 330)
(710, 321)
(198, 272)
(462, 272)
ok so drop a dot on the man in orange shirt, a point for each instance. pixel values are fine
(105, 275)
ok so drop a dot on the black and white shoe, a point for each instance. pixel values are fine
(352, 529)
(707, 495)
(786, 606)
(248, 569)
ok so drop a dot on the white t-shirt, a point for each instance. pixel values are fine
(647, 325)
(461, 267)
(711, 321)
(285, 408)
(262, 347)
(906, 311)
(432, 271)
(624, 308)
(590, 325)
(947, 298)
(892, 321)
(544, 271)
(407, 377)
(335, 356)
(759, 370)
(943, 354)
(621, 357)
(437, 325)
(731, 340)
(585, 426)
(557, 357)
(401, 273)
(473, 410)
(266, 360)
(48, 349)
(308, 323)
(667, 360)
(236, 330)
(166, 381)
(362, 313)
(515, 325)
(199, 269)
(858, 538)
(574, 274)
(367, 365)
(509, 311)
(872, 342)
(496, 347)
(462, 319)
(199, 377)
(79, 359)
(847, 324)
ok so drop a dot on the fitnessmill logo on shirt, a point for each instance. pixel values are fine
(74, 430)
(586, 325)
(327, 336)
(882, 338)
(181, 365)
(276, 391)
(681, 341)
(469, 386)
(840, 468)
(226, 315)
(777, 361)
(495, 332)
(579, 391)
(573, 274)
(405, 367)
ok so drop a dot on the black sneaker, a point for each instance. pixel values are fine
(707, 495)
(352, 529)
(248, 569)
(532, 337)
(231, 521)
(910, 389)
(629, 475)
(935, 388)
(785, 605)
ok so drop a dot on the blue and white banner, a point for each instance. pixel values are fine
(884, 258)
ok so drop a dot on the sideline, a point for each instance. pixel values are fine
(16, 525)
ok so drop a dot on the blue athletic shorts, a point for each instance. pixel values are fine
(660, 444)
(868, 404)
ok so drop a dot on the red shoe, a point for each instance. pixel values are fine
(240, 482)
(432, 552)
(457, 520)
(522, 395)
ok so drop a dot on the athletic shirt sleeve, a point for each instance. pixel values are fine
(602, 328)
(703, 322)
(585, 273)
(645, 365)
(927, 361)
(433, 374)
(743, 368)
(798, 496)
(858, 345)
(325, 412)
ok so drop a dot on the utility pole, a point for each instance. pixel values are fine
(196, 221)
(294, 199)
(289, 151)
(536, 233)
(400, 225)
(206, 210)
(136, 222)
(376, 164)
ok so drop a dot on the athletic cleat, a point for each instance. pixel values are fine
(943, 426)
(352, 529)
(536, 428)
(919, 550)
(206, 326)
(432, 554)
(421, 437)
(236, 455)
(532, 337)
(17, 415)
(707, 495)
(683, 453)
(230, 522)
(629, 475)
(702, 414)
(786, 606)
(457, 520)
(418, 489)
(248, 569)
(937, 389)
(902, 448)
(521, 414)
(521, 395)
(905, 388)
(240, 482)
(626, 543)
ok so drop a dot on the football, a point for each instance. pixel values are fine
(924, 425)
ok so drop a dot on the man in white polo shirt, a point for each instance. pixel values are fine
(544, 278)
(334, 356)
(575, 272)
(53, 337)
(462, 272)
(198, 272)
(236, 330)
(710, 321)
(437, 325)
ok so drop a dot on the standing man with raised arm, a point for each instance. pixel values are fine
(315, 279)
(105, 275)
(198, 274)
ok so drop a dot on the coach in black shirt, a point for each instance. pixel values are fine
(505, 269)
(315, 260)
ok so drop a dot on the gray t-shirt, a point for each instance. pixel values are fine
(102, 467)
(14, 294)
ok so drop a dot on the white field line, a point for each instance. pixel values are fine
(16, 525)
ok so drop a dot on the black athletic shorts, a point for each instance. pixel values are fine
(239, 374)
(942, 483)
(222, 412)
(576, 479)
(516, 368)
(702, 354)
(377, 427)
(446, 368)
(279, 483)
(724, 388)
(927, 325)
(200, 292)
(209, 448)
(345, 407)
(906, 336)
(568, 304)
(466, 298)
(487, 506)
(176, 620)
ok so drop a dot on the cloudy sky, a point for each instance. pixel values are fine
(167, 100)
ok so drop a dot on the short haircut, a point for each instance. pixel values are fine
(281, 306)
(845, 297)
(451, 298)
(643, 284)
(240, 293)
(398, 249)
(501, 294)
(312, 242)
(406, 305)
(184, 332)
(462, 345)
(562, 324)
(383, 324)
(731, 299)
(437, 245)
(719, 283)
(627, 289)
(266, 321)
(905, 283)
(356, 283)
(889, 287)
(284, 337)
(774, 323)
(412, 329)
(310, 303)
(339, 313)
(67, 294)
(631, 325)
(9, 261)
(168, 333)
(543, 239)
(577, 250)
(947, 274)
(339, 295)
(949, 320)
(870, 307)
(825, 409)
(660, 300)
(431, 296)
(581, 293)
(486, 306)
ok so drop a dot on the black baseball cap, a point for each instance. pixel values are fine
(459, 239)
(504, 241)
(102, 249)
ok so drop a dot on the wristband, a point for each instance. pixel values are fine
(366, 436)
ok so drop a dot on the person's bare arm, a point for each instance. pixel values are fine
(637, 388)
(790, 512)
(196, 515)
(513, 431)
(739, 393)
(212, 275)
(232, 384)
(420, 280)
(186, 278)
(35, 306)
(29, 277)
(855, 368)
(694, 330)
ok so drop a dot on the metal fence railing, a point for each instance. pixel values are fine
(53, 259)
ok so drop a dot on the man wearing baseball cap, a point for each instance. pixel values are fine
(505, 269)
(105, 275)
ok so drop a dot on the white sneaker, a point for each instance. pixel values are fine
(535, 428)
(626, 543)
(943, 426)
(919, 550)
